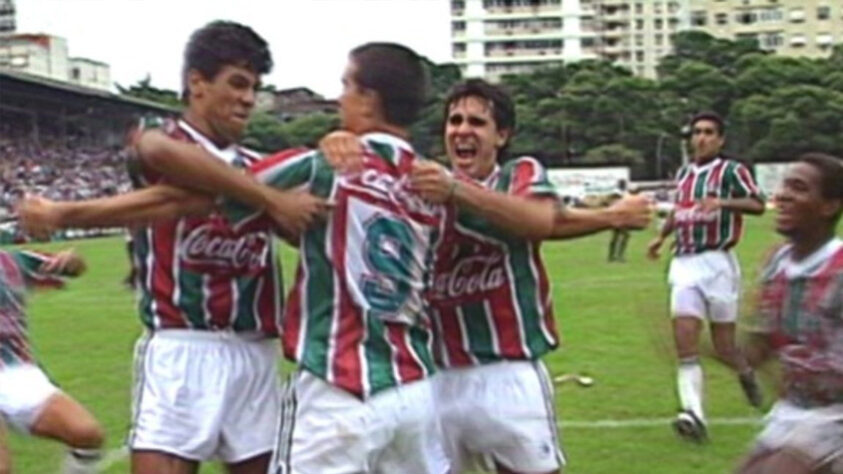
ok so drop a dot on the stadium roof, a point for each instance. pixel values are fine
(49, 91)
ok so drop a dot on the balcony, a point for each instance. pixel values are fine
(521, 31)
(523, 52)
(616, 32)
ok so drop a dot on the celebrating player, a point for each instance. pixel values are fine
(712, 195)
(801, 323)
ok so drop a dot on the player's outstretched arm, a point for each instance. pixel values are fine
(655, 245)
(192, 167)
(631, 212)
(65, 263)
(528, 218)
(40, 216)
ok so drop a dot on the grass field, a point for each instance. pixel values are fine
(611, 316)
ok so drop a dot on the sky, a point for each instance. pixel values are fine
(309, 39)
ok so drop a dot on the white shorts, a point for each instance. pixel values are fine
(500, 412)
(325, 430)
(201, 395)
(815, 435)
(24, 391)
(705, 285)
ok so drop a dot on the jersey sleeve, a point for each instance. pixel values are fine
(743, 184)
(289, 169)
(30, 264)
(529, 179)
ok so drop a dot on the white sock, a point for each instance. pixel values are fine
(690, 384)
(81, 461)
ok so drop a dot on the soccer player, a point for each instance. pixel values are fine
(713, 194)
(28, 399)
(490, 301)
(800, 321)
(210, 293)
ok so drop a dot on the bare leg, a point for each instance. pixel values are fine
(5, 458)
(156, 462)
(256, 465)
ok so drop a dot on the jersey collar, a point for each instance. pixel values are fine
(227, 154)
(811, 264)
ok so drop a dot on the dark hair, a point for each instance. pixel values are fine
(831, 177)
(398, 75)
(711, 116)
(222, 43)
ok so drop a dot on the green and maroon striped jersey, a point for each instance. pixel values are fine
(18, 271)
(698, 231)
(199, 272)
(801, 309)
(356, 314)
(491, 300)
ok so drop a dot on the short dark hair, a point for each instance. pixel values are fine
(503, 109)
(221, 43)
(398, 75)
(831, 176)
(710, 116)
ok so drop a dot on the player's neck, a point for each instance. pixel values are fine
(809, 243)
(704, 160)
(390, 129)
(203, 126)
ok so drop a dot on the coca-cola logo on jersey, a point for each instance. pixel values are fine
(470, 276)
(211, 245)
(691, 212)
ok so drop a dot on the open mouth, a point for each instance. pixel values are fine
(465, 150)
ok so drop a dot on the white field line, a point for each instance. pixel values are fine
(652, 422)
(116, 455)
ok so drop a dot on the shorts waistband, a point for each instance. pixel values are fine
(202, 335)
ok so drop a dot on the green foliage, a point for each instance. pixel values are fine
(267, 133)
(144, 89)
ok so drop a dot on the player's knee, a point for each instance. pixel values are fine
(87, 434)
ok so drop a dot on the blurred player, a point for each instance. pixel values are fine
(28, 400)
(712, 195)
(620, 237)
(801, 323)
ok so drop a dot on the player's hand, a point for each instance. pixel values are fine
(709, 204)
(66, 262)
(294, 211)
(343, 150)
(432, 181)
(654, 248)
(633, 212)
(38, 216)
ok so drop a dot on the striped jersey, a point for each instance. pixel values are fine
(356, 316)
(801, 309)
(490, 299)
(201, 272)
(18, 271)
(698, 231)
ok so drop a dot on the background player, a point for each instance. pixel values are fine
(712, 194)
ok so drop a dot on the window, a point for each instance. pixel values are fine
(659, 23)
(659, 39)
(639, 24)
(639, 8)
(798, 40)
(721, 19)
(823, 13)
(746, 17)
(639, 40)
(75, 73)
(771, 40)
(639, 56)
(797, 15)
(699, 18)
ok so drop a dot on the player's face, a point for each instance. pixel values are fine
(799, 201)
(356, 104)
(705, 140)
(227, 100)
(472, 138)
